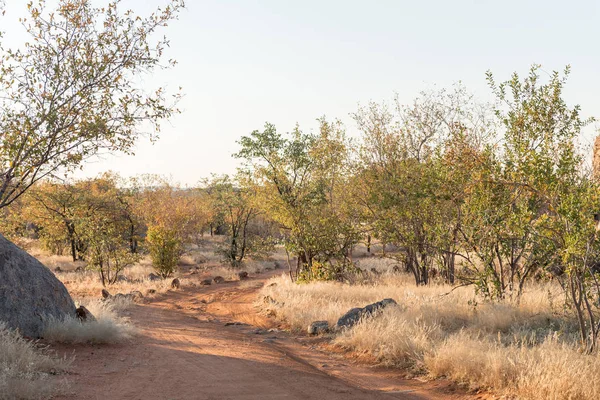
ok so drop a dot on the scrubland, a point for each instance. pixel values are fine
(528, 349)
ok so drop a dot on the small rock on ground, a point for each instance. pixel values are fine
(84, 315)
(318, 327)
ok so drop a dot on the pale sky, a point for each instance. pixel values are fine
(242, 63)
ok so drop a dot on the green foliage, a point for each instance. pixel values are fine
(408, 184)
(165, 249)
(235, 207)
(71, 90)
(106, 251)
(175, 216)
(299, 181)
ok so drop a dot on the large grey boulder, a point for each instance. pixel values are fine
(29, 291)
(354, 315)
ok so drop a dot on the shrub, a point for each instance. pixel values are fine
(165, 249)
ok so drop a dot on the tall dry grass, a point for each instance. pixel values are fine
(528, 349)
(109, 326)
(25, 369)
(87, 284)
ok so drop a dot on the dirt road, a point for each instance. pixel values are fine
(187, 350)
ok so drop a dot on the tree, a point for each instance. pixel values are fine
(236, 208)
(70, 91)
(55, 208)
(543, 166)
(407, 193)
(174, 218)
(90, 217)
(513, 205)
(299, 180)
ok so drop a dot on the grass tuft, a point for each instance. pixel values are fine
(26, 368)
(108, 327)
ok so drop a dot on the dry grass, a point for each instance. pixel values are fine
(25, 368)
(87, 284)
(109, 327)
(529, 350)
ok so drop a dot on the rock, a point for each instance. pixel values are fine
(105, 294)
(318, 327)
(154, 277)
(206, 282)
(218, 279)
(84, 315)
(57, 269)
(121, 296)
(136, 295)
(354, 315)
(242, 275)
(351, 317)
(29, 291)
(175, 284)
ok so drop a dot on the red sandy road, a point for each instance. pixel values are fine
(184, 351)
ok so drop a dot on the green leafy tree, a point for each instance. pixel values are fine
(174, 218)
(165, 249)
(236, 208)
(409, 195)
(299, 180)
(71, 91)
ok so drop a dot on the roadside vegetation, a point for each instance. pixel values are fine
(485, 214)
(107, 327)
(482, 216)
(26, 368)
(524, 349)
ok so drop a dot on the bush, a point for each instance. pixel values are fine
(165, 249)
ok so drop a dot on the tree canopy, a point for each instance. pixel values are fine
(72, 90)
